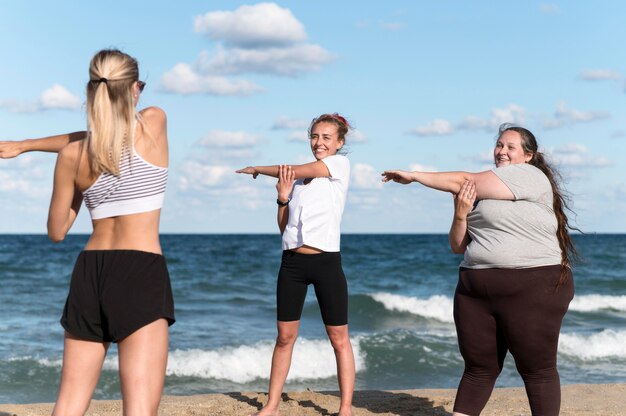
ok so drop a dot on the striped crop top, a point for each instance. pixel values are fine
(140, 187)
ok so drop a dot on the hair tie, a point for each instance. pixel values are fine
(103, 80)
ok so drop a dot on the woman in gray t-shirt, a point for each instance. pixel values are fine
(515, 281)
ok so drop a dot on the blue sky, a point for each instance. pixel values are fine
(425, 84)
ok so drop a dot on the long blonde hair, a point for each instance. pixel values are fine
(111, 109)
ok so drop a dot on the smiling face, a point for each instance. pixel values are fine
(509, 150)
(325, 140)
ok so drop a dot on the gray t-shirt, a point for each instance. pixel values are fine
(515, 234)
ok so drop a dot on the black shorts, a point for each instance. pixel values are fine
(324, 271)
(113, 293)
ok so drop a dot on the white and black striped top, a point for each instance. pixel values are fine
(140, 187)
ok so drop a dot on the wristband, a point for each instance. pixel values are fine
(283, 204)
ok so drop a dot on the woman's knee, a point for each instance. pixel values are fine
(339, 337)
(286, 339)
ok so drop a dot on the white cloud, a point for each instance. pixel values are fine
(26, 176)
(618, 134)
(564, 116)
(260, 25)
(356, 136)
(422, 168)
(576, 155)
(286, 61)
(183, 79)
(365, 177)
(549, 8)
(56, 97)
(286, 123)
(298, 136)
(198, 176)
(437, 127)
(260, 39)
(512, 113)
(484, 158)
(600, 75)
(229, 139)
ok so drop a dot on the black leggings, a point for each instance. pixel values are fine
(324, 270)
(517, 310)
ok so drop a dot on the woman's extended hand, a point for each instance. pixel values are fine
(399, 176)
(250, 170)
(10, 149)
(286, 178)
(464, 200)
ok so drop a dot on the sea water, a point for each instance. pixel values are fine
(400, 286)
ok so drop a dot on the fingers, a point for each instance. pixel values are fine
(286, 174)
(468, 191)
(389, 175)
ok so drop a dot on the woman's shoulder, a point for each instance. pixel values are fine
(72, 151)
(153, 114)
(519, 168)
(154, 121)
(337, 158)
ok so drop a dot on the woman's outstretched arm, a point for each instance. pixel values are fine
(488, 185)
(317, 169)
(10, 149)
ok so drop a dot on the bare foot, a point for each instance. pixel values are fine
(266, 412)
(345, 412)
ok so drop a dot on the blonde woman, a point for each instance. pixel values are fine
(120, 289)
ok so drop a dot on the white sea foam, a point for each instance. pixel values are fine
(312, 359)
(601, 345)
(591, 303)
(436, 307)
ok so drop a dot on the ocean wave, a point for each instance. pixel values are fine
(435, 307)
(601, 345)
(312, 359)
(591, 303)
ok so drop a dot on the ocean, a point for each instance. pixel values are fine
(400, 286)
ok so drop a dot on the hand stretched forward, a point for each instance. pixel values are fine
(399, 176)
(250, 170)
(286, 178)
(10, 149)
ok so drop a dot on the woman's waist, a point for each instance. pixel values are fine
(113, 234)
(304, 249)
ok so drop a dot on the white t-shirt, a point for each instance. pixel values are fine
(316, 208)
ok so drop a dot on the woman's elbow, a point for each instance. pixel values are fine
(55, 234)
(458, 250)
(56, 237)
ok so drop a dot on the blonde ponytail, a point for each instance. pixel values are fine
(111, 110)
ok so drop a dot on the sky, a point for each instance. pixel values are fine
(424, 83)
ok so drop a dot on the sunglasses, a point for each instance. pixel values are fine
(141, 85)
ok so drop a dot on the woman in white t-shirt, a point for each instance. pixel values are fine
(515, 282)
(311, 199)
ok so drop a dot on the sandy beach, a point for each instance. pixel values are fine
(577, 399)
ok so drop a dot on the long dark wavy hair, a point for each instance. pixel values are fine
(560, 200)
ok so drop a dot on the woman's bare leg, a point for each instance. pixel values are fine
(281, 361)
